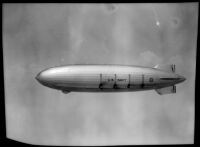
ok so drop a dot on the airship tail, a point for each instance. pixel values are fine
(166, 90)
(168, 68)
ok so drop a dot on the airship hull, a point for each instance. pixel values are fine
(105, 78)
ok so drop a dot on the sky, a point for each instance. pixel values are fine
(39, 36)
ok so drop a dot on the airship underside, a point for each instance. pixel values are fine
(110, 78)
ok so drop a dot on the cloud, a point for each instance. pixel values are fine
(149, 58)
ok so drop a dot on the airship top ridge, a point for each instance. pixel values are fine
(131, 65)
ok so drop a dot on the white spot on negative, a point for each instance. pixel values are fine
(157, 23)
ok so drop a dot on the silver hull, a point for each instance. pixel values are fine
(106, 78)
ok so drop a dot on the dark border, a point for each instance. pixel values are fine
(6, 141)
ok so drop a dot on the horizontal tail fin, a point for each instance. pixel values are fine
(169, 68)
(166, 90)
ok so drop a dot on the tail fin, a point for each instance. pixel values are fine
(169, 68)
(166, 90)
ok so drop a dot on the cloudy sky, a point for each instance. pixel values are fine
(38, 36)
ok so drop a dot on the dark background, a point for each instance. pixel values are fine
(38, 36)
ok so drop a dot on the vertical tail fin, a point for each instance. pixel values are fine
(173, 66)
(169, 68)
(166, 90)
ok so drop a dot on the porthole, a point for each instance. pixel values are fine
(150, 79)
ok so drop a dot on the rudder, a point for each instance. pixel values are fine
(168, 68)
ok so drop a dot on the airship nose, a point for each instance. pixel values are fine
(39, 77)
(43, 76)
(48, 76)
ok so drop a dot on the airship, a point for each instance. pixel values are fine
(111, 78)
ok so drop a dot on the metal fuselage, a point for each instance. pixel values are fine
(106, 78)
